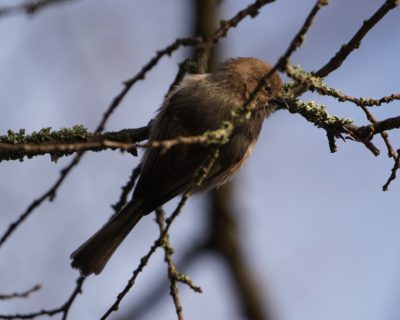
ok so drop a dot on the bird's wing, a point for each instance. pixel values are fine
(165, 175)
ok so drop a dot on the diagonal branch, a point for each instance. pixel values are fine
(30, 8)
(252, 10)
(49, 194)
(393, 174)
(24, 294)
(336, 61)
(314, 83)
(64, 309)
(300, 36)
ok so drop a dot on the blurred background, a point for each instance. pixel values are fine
(316, 236)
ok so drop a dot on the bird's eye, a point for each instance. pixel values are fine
(267, 88)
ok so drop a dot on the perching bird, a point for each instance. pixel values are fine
(200, 103)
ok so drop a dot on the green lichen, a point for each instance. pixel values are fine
(220, 135)
(44, 135)
(319, 116)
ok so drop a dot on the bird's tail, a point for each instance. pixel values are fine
(92, 256)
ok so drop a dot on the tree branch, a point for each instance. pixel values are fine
(64, 309)
(30, 8)
(24, 294)
(314, 83)
(355, 42)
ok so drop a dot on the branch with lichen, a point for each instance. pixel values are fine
(68, 141)
(17, 145)
(317, 84)
(318, 114)
(303, 80)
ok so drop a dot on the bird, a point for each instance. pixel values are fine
(199, 103)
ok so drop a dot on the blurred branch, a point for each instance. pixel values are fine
(252, 305)
(210, 40)
(24, 294)
(225, 25)
(64, 309)
(225, 239)
(31, 7)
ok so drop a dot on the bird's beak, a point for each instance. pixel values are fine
(280, 103)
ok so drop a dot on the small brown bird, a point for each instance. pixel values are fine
(200, 103)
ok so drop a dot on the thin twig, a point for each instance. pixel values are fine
(128, 84)
(207, 43)
(336, 61)
(390, 149)
(49, 194)
(157, 292)
(296, 42)
(172, 273)
(24, 294)
(29, 7)
(378, 128)
(252, 11)
(300, 36)
(314, 83)
(64, 309)
(392, 176)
